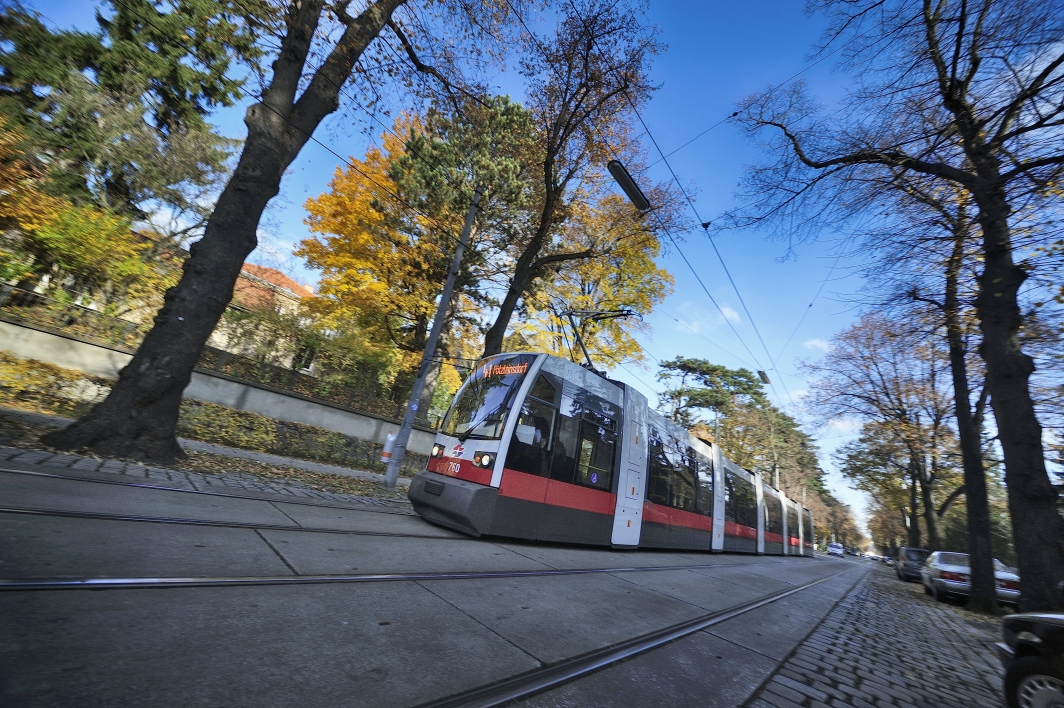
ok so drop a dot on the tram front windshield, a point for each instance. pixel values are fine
(480, 409)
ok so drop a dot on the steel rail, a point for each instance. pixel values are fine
(10, 584)
(548, 677)
(208, 493)
(105, 516)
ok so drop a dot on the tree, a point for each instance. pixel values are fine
(700, 385)
(880, 464)
(877, 371)
(623, 277)
(583, 86)
(383, 263)
(965, 93)
(120, 115)
(138, 418)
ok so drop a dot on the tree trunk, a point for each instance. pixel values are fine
(1038, 529)
(524, 270)
(983, 595)
(928, 502)
(138, 419)
(914, 518)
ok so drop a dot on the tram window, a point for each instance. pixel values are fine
(530, 446)
(773, 515)
(683, 481)
(807, 527)
(792, 522)
(563, 466)
(705, 484)
(659, 469)
(599, 419)
(542, 389)
(740, 501)
(595, 463)
(480, 409)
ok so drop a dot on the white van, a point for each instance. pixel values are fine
(835, 549)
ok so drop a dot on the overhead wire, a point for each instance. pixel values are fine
(705, 227)
(838, 258)
(671, 238)
(771, 89)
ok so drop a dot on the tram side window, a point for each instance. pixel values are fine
(792, 522)
(658, 481)
(584, 446)
(683, 479)
(594, 466)
(740, 501)
(530, 446)
(773, 515)
(563, 466)
(807, 527)
(705, 484)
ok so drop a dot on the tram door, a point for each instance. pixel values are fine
(632, 470)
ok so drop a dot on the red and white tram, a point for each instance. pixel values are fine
(537, 447)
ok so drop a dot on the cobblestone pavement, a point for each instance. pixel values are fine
(185, 479)
(883, 646)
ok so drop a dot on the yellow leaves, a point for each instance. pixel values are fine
(621, 274)
(22, 204)
(380, 262)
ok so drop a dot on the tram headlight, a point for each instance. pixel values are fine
(484, 459)
(437, 450)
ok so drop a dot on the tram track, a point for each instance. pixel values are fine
(105, 516)
(551, 676)
(42, 584)
(157, 487)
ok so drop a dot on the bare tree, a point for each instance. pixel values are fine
(967, 93)
(878, 372)
(583, 85)
(319, 46)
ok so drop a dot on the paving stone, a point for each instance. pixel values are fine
(883, 647)
(780, 689)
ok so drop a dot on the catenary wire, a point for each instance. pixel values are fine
(539, 45)
(824, 282)
(694, 210)
(724, 120)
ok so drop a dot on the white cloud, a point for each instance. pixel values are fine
(730, 314)
(844, 425)
(820, 344)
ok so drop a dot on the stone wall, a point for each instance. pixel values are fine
(366, 433)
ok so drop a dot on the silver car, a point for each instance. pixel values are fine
(946, 574)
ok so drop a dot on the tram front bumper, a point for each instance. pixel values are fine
(455, 503)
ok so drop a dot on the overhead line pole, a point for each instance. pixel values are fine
(403, 436)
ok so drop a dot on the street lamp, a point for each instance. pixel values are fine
(635, 194)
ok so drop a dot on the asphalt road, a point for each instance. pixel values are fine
(365, 606)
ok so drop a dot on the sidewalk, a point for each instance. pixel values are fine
(886, 645)
(197, 446)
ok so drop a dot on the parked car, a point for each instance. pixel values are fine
(909, 562)
(835, 549)
(1033, 656)
(946, 574)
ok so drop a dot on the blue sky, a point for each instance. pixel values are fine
(718, 52)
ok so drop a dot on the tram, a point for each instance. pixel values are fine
(537, 447)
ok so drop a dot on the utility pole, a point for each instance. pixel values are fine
(403, 437)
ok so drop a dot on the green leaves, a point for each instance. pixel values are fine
(698, 384)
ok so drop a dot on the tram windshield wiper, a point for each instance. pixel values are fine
(473, 426)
